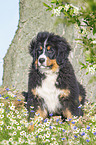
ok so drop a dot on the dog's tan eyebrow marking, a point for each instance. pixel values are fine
(48, 48)
(41, 48)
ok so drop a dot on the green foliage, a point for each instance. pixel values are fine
(84, 18)
(14, 126)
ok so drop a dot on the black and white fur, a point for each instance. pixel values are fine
(53, 87)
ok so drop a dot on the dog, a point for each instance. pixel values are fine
(53, 89)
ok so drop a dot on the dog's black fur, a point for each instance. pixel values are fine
(56, 50)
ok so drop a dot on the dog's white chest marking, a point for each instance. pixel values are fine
(49, 92)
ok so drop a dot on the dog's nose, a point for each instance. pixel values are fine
(41, 60)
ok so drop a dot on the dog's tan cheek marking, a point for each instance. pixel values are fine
(65, 94)
(48, 61)
(52, 62)
(39, 113)
(55, 65)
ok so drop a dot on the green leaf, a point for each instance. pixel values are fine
(87, 73)
(81, 63)
(78, 22)
(86, 22)
(53, 1)
(71, 11)
(78, 39)
(46, 5)
(82, 67)
(94, 29)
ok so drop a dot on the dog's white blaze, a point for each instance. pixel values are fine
(45, 42)
(49, 92)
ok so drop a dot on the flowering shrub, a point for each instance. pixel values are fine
(14, 125)
(84, 19)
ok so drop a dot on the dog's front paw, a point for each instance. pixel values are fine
(31, 127)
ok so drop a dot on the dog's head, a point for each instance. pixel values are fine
(49, 51)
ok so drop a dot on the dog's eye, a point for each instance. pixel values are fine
(49, 49)
(40, 49)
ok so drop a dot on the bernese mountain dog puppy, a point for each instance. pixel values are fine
(53, 87)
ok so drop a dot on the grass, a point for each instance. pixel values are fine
(14, 124)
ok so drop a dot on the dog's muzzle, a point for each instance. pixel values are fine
(41, 60)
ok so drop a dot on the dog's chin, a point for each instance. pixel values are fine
(45, 69)
(41, 66)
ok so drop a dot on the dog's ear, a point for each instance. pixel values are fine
(32, 47)
(63, 51)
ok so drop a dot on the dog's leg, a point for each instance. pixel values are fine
(40, 113)
(70, 108)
